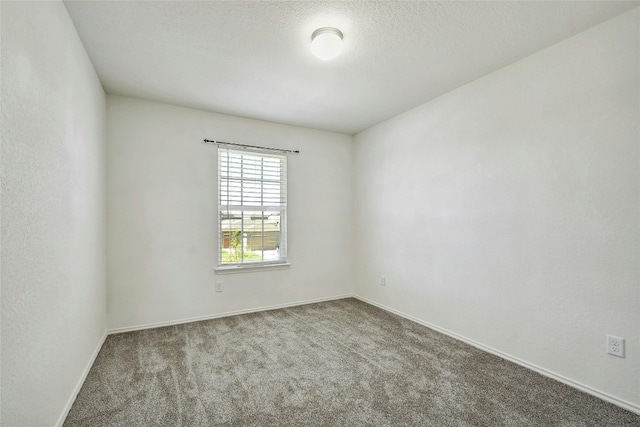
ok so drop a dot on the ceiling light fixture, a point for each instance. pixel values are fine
(326, 43)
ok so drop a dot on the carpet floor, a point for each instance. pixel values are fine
(337, 363)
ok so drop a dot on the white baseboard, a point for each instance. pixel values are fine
(225, 314)
(575, 384)
(80, 382)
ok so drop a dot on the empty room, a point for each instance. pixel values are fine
(308, 213)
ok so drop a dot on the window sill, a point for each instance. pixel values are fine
(250, 268)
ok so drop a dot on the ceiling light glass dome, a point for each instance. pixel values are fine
(326, 43)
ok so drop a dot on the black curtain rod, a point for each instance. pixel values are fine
(281, 150)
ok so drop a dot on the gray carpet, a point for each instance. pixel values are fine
(338, 363)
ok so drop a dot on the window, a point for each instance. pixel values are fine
(252, 208)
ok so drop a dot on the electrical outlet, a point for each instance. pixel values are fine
(383, 281)
(218, 286)
(615, 346)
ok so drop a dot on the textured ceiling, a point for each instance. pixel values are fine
(252, 59)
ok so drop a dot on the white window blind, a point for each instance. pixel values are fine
(252, 208)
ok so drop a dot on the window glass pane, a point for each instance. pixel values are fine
(250, 236)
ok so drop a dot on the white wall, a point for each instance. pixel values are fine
(53, 213)
(162, 218)
(507, 210)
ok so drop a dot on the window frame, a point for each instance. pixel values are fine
(226, 208)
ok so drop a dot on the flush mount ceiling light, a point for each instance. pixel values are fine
(326, 43)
